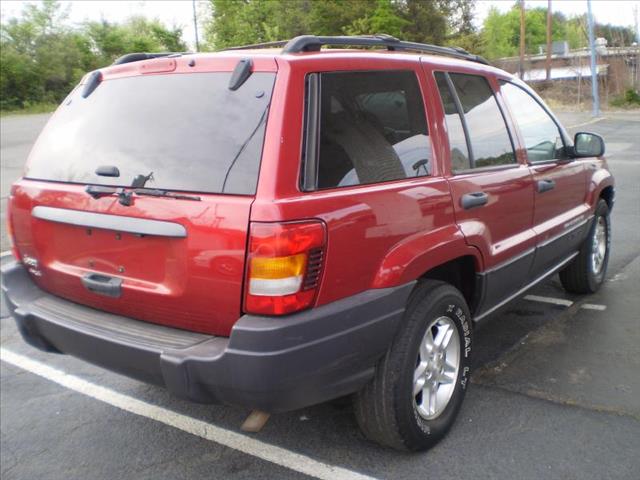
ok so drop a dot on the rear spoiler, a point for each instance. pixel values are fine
(139, 56)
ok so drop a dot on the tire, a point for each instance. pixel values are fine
(386, 410)
(585, 274)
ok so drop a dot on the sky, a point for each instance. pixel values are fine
(180, 12)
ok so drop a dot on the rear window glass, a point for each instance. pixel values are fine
(372, 128)
(190, 130)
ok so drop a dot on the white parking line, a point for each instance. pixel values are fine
(5, 253)
(589, 122)
(552, 300)
(243, 443)
(593, 306)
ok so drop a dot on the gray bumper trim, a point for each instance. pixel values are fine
(271, 363)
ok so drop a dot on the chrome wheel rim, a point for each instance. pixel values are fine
(434, 378)
(599, 245)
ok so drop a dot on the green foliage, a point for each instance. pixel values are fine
(501, 31)
(29, 108)
(242, 22)
(386, 18)
(108, 41)
(630, 98)
(41, 59)
(576, 32)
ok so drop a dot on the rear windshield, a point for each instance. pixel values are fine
(190, 130)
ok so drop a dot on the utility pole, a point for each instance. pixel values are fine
(635, 15)
(195, 24)
(548, 62)
(522, 44)
(594, 71)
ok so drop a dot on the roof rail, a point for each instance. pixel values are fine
(279, 43)
(312, 43)
(139, 56)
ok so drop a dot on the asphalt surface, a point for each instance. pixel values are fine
(556, 392)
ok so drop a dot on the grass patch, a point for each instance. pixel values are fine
(30, 109)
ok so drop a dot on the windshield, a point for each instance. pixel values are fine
(190, 130)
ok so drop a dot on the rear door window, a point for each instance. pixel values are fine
(460, 158)
(488, 141)
(372, 128)
(190, 130)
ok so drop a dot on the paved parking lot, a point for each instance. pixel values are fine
(556, 391)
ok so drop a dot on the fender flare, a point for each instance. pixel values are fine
(600, 180)
(411, 258)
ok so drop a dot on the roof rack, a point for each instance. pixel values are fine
(139, 56)
(279, 43)
(312, 43)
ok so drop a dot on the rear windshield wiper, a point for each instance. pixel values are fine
(97, 191)
(156, 192)
(124, 196)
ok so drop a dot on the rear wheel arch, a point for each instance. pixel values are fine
(461, 273)
(409, 260)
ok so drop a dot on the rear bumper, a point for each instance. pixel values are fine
(270, 363)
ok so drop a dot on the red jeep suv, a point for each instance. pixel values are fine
(278, 227)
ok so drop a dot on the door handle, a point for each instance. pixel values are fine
(546, 185)
(475, 199)
(102, 284)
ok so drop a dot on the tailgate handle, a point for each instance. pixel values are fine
(102, 284)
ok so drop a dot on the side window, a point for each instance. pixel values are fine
(372, 128)
(488, 141)
(541, 135)
(488, 135)
(460, 159)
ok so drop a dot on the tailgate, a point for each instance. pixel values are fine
(180, 263)
(129, 134)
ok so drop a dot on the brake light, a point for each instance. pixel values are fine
(284, 266)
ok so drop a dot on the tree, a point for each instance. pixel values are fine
(108, 40)
(501, 31)
(385, 18)
(41, 58)
(241, 22)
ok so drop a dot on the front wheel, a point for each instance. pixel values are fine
(419, 385)
(586, 272)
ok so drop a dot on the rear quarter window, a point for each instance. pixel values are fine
(372, 128)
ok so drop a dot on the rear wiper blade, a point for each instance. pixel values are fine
(156, 192)
(97, 191)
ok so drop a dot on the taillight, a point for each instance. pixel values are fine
(284, 266)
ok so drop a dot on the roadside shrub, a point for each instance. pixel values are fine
(630, 98)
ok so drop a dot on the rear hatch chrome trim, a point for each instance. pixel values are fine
(119, 223)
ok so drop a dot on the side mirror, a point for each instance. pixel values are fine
(588, 145)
